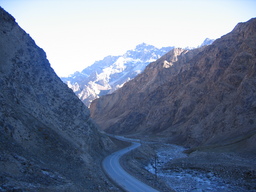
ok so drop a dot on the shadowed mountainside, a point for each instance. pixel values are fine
(47, 139)
(200, 97)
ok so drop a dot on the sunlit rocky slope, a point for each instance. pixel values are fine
(110, 73)
(47, 139)
(199, 97)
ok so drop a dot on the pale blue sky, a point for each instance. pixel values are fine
(75, 33)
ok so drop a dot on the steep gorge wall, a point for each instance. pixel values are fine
(47, 139)
(205, 96)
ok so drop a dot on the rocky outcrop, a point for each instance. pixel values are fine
(47, 139)
(201, 97)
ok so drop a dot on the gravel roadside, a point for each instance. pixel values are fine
(167, 168)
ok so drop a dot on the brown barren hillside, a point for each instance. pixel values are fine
(205, 96)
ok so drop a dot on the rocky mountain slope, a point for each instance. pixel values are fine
(47, 139)
(200, 97)
(109, 74)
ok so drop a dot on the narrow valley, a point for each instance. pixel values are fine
(153, 119)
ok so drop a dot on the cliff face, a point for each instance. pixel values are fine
(204, 96)
(47, 139)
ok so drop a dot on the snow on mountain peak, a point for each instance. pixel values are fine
(110, 73)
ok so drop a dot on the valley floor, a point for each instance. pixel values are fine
(167, 168)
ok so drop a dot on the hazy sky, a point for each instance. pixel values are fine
(75, 33)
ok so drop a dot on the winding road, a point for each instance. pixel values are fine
(123, 179)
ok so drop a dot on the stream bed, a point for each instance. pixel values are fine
(187, 180)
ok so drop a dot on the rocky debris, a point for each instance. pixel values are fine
(200, 97)
(47, 140)
(216, 171)
(23, 174)
(167, 167)
(135, 163)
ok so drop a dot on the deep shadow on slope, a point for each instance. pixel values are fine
(47, 139)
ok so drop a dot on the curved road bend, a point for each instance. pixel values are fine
(114, 170)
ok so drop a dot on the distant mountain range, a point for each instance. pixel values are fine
(109, 74)
(202, 97)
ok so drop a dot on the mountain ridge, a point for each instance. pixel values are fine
(109, 74)
(195, 97)
(47, 140)
(112, 72)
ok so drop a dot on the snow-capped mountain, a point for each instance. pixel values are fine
(107, 75)
(207, 41)
(110, 73)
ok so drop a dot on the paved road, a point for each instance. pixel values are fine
(114, 170)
